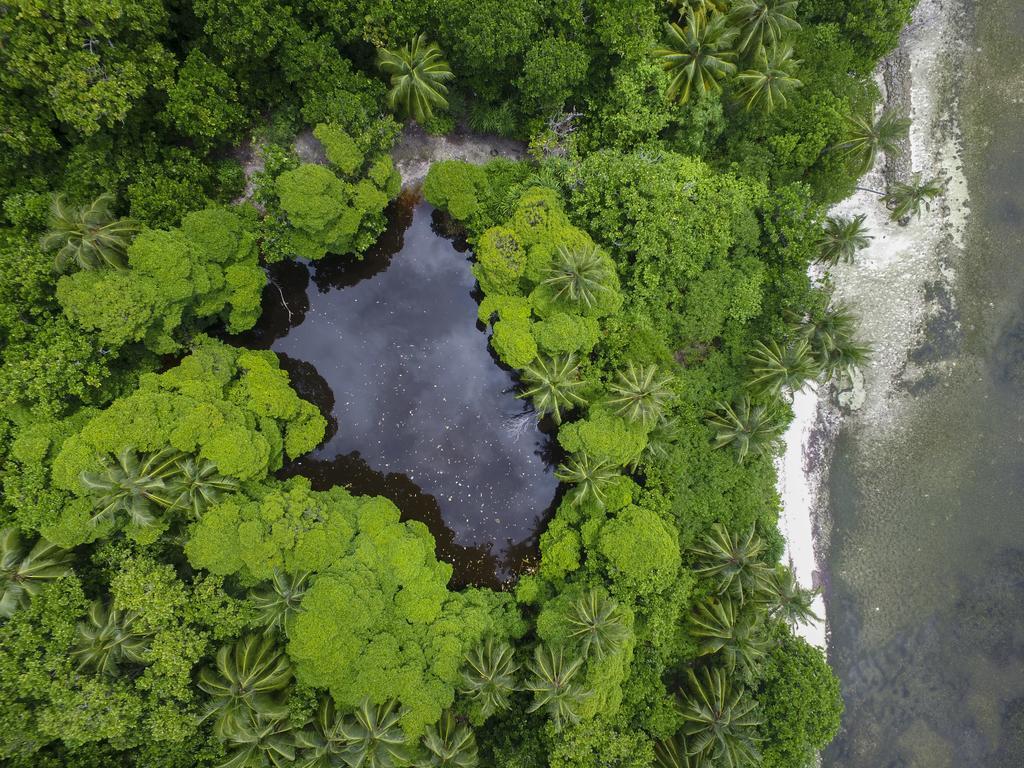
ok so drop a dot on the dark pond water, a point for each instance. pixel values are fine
(390, 349)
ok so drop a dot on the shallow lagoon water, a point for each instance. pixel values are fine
(390, 349)
(926, 563)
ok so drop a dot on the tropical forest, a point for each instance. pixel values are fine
(398, 383)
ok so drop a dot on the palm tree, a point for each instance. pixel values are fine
(578, 276)
(277, 603)
(766, 84)
(841, 238)
(787, 600)
(24, 575)
(418, 72)
(776, 369)
(321, 743)
(905, 200)
(596, 622)
(672, 753)
(832, 338)
(109, 639)
(763, 23)
(88, 236)
(260, 741)
(489, 676)
(248, 675)
(723, 627)
(449, 744)
(553, 384)
(750, 429)
(733, 561)
(719, 724)
(640, 395)
(200, 485)
(698, 7)
(373, 737)
(868, 138)
(137, 488)
(589, 476)
(553, 687)
(697, 55)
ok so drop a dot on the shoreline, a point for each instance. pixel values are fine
(898, 284)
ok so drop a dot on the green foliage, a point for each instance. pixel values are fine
(24, 574)
(833, 342)
(553, 68)
(330, 215)
(581, 279)
(380, 622)
(89, 236)
(374, 737)
(799, 701)
(730, 631)
(771, 78)
(231, 407)
(418, 72)
(177, 280)
(640, 552)
(203, 103)
(763, 23)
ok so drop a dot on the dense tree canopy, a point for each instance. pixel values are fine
(169, 601)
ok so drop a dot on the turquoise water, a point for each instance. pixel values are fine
(926, 564)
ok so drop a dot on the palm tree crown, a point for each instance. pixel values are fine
(841, 238)
(277, 603)
(640, 395)
(579, 276)
(110, 638)
(88, 236)
(832, 338)
(596, 622)
(24, 575)
(787, 600)
(553, 384)
(905, 199)
(260, 741)
(133, 486)
(697, 55)
(590, 477)
(724, 627)
(553, 687)
(733, 561)
(248, 674)
(868, 138)
(199, 484)
(418, 72)
(748, 428)
(373, 736)
(776, 368)
(763, 23)
(718, 720)
(449, 744)
(766, 84)
(489, 676)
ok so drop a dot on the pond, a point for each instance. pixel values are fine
(390, 349)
